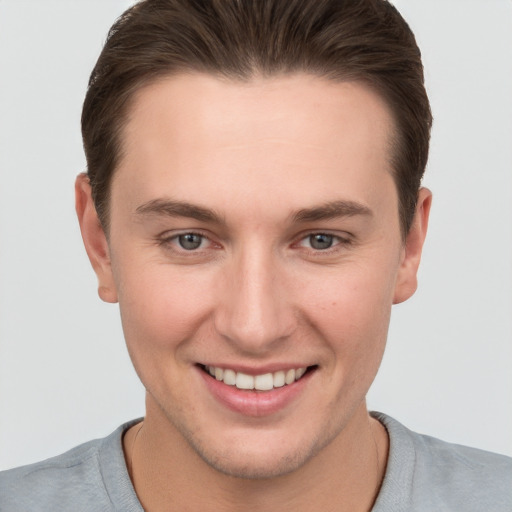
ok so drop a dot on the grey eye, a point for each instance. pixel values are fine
(190, 241)
(321, 241)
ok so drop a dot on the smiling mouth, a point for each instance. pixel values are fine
(263, 382)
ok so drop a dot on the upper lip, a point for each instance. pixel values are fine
(257, 370)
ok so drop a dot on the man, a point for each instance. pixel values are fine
(253, 203)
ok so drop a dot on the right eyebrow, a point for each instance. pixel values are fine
(171, 208)
(332, 210)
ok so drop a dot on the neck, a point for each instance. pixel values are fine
(168, 474)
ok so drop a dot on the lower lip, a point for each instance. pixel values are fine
(255, 403)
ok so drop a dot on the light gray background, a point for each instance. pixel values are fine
(64, 374)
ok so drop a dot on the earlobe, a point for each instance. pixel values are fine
(94, 238)
(407, 281)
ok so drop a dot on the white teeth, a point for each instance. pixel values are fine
(290, 376)
(229, 377)
(244, 381)
(278, 379)
(299, 372)
(264, 382)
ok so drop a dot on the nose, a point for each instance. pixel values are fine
(254, 312)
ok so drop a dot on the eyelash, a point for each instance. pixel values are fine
(169, 241)
(338, 242)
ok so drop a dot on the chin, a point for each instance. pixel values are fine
(261, 459)
(251, 467)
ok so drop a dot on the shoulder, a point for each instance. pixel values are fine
(74, 480)
(38, 486)
(444, 476)
(477, 474)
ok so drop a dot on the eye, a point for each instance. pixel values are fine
(190, 241)
(320, 241)
(188, 246)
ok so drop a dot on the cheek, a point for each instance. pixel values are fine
(352, 292)
(352, 309)
(161, 305)
(162, 309)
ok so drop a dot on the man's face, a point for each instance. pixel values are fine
(254, 231)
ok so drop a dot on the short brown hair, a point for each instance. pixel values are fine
(363, 40)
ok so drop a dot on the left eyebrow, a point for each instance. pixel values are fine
(171, 208)
(331, 210)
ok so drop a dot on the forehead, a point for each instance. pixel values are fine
(193, 134)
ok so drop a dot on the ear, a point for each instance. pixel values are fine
(94, 238)
(407, 281)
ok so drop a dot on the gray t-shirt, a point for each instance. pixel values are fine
(423, 475)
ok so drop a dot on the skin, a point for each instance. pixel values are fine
(256, 292)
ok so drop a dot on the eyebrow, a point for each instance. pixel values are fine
(171, 208)
(331, 210)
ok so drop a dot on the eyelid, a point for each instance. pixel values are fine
(342, 241)
(168, 237)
